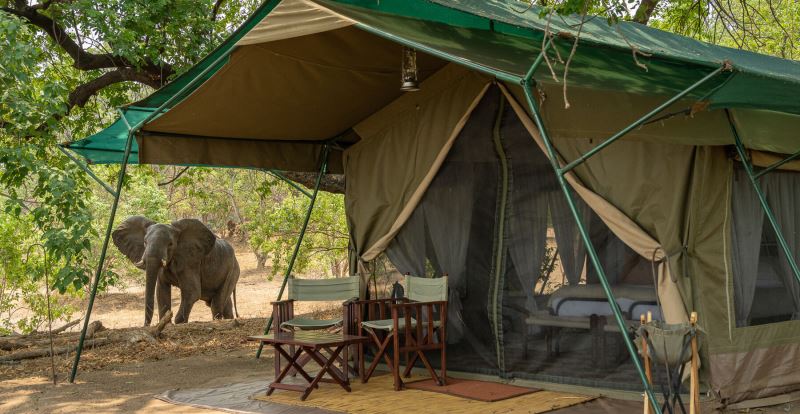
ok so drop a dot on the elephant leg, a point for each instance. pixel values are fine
(221, 307)
(188, 298)
(227, 312)
(217, 308)
(164, 296)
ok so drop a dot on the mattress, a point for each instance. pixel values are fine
(587, 300)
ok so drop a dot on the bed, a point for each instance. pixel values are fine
(586, 307)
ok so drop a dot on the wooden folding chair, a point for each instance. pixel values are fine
(409, 325)
(307, 290)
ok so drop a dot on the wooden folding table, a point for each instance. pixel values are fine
(291, 345)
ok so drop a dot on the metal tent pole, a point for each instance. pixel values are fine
(312, 201)
(595, 260)
(761, 197)
(103, 251)
(87, 170)
(638, 122)
(776, 165)
(279, 175)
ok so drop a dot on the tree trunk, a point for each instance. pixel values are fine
(261, 261)
(645, 11)
(332, 183)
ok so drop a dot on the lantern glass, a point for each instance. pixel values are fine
(409, 74)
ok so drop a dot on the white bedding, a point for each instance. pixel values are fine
(587, 300)
(581, 307)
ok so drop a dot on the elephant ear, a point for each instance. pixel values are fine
(129, 236)
(194, 242)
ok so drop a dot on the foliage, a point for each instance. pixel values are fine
(273, 232)
(765, 26)
(23, 307)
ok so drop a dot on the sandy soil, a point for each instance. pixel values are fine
(124, 377)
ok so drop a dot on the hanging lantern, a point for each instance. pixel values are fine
(409, 72)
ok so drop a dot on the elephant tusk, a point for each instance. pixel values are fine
(163, 263)
(140, 264)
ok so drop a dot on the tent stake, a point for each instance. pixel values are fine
(299, 242)
(762, 198)
(103, 251)
(595, 260)
(87, 170)
(637, 123)
(776, 165)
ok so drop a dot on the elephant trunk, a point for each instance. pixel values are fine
(152, 267)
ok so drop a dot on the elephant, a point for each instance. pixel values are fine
(185, 254)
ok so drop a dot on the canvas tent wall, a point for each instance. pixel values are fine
(303, 74)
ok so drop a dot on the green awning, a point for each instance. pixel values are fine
(501, 38)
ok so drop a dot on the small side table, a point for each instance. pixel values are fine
(291, 345)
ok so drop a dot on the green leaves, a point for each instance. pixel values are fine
(51, 198)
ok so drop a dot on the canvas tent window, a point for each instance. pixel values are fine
(765, 290)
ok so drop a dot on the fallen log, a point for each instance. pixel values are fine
(42, 352)
(138, 335)
(64, 327)
(93, 328)
(33, 339)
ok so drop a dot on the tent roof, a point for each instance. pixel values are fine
(502, 38)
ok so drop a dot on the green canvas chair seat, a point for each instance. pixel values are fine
(387, 325)
(308, 324)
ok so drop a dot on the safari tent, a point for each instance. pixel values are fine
(665, 170)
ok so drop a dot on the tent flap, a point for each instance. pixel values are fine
(401, 149)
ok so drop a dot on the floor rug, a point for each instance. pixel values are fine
(486, 391)
(233, 398)
(378, 397)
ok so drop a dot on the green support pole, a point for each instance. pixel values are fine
(132, 130)
(103, 251)
(777, 165)
(297, 245)
(595, 260)
(762, 198)
(280, 176)
(88, 171)
(638, 122)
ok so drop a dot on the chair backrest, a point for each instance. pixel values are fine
(421, 289)
(324, 289)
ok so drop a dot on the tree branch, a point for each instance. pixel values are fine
(82, 59)
(332, 183)
(172, 180)
(645, 11)
(81, 94)
(215, 10)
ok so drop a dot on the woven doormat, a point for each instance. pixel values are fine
(473, 389)
(378, 397)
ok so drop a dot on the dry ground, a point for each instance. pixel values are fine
(124, 377)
